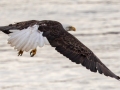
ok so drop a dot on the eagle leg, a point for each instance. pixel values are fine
(20, 53)
(33, 52)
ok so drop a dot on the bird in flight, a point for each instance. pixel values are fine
(27, 35)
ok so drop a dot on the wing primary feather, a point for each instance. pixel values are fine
(93, 67)
(77, 59)
(84, 62)
(88, 64)
(98, 68)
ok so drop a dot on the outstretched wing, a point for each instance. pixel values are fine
(77, 52)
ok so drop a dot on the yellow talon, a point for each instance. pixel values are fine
(33, 52)
(20, 53)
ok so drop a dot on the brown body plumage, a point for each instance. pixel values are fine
(66, 44)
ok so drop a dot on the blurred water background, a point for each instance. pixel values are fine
(97, 23)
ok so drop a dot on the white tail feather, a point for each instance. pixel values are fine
(28, 44)
(13, 37)
(13, 31)
(46, 41)
(22, 42)
(31, 40)
(17, 32)
(41, 41)
(27, 39)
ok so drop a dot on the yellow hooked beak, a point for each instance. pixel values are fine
(71, 28)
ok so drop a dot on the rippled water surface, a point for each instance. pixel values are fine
(97, 23)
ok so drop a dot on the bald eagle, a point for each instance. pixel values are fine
(27, 35)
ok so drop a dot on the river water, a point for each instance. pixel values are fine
(97, 23)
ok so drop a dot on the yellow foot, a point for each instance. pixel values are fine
(20, 53)
(33, 52)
